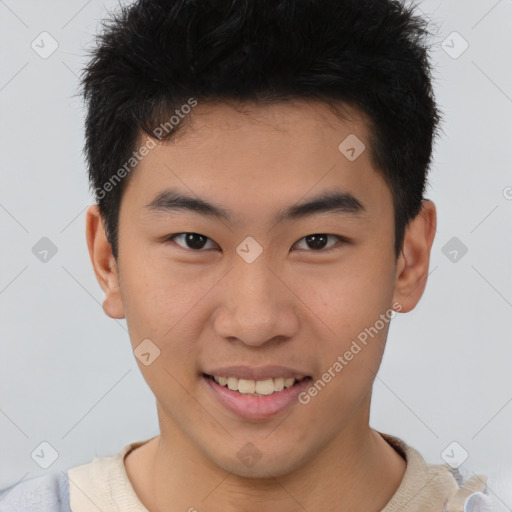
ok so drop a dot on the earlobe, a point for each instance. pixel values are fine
(413, 262)
(103, 262)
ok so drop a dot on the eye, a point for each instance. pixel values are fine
(318, 241)
(194, 241)
(197, 242)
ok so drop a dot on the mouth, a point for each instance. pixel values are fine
(256, 393)
(257, 388)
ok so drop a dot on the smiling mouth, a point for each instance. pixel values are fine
(250, 387)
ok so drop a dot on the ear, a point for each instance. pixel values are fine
(103, 262)
(413, 261)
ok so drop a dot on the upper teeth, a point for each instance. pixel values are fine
(258, 387)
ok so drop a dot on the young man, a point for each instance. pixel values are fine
(260, 169)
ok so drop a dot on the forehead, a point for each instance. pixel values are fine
(251, 154)
(301, 119)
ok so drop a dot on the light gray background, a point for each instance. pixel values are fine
(67, 372)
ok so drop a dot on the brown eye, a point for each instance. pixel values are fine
(318, 242)
(194, 241)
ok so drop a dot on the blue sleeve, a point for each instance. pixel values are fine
(47, 493)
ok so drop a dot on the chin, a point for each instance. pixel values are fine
(267, 462)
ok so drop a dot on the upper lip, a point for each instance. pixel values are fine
(253, 373)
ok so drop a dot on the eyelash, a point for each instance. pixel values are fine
(342, 240)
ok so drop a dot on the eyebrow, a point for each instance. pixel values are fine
(336, 202)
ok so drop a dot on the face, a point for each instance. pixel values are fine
(255, 285)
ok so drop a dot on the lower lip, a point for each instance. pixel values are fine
(257, 407)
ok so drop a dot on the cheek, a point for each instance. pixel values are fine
(357, 310)
(352, 307)
(159, 306)
(348, 297)
(157, 296)
(165, 304)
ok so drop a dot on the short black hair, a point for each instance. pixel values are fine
(154, 57)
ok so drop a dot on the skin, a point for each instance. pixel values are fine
(294, 306)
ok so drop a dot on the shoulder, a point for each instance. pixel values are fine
(489, 492)
(443, 488)
(496, 496)
(47, 493)
(102, 480)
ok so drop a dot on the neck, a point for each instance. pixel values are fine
(169, 473)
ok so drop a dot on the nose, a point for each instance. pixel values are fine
(255, 305)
